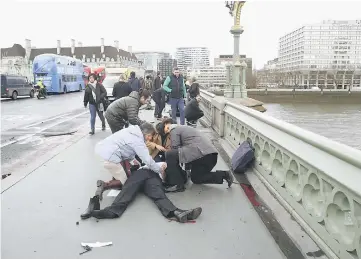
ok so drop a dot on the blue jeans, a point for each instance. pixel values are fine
(177, 103)
(93, 114)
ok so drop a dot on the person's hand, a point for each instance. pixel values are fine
(160, 148)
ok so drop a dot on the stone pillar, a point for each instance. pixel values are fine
(236, 31)
(228, 91)
(244, 84)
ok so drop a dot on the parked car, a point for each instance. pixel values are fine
(108, 83)
(13, 86)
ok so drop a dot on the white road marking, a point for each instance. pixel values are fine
(39, 131)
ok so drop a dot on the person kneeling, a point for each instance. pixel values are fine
(193, 112)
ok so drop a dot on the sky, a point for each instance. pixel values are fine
(164, 26)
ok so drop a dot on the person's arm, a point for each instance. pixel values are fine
(129, 89)
(143, 153)
(175, 139)
(86, 97)
(198, 92)
(132, 113)
(184, 89)
(113, 93)
(166, 85)
(103, 92)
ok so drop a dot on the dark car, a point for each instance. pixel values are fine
(13, 86)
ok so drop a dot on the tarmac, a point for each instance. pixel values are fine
(41, 216)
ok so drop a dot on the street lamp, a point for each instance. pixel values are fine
(235, 8)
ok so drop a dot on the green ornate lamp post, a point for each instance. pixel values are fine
(236, 91)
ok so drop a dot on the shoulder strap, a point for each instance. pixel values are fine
(91, 87)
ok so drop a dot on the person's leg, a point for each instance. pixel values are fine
(153, 188)
(156, 110)
(114, 125)
(101, 117)
(181, 111)
(202, 173)
(174, 105)
(175, 177)
(93, 115)
(130, 189)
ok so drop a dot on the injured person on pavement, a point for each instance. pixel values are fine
(123, 146)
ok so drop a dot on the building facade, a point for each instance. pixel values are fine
(18, 60)
(209, 76)
(322, 55)
(192, 57)
(165, 66)
(222, 60)
(269, 75)
(150, 59)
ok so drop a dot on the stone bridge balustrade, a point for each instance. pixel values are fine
(316, 179)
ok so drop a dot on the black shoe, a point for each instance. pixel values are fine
(228, 177)
(174, 188)
(93, 205)
(103, 214)
(182, 216)
(91, 132)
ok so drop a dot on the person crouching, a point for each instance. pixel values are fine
(193, 112)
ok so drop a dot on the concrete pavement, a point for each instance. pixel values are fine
(39, 216)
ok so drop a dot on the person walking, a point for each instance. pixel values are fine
(194, 88)
(174, 85)
(126, 109)
(157, 82)
(95, 94)
(121, 88)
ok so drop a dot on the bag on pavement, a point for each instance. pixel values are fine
(243, 158)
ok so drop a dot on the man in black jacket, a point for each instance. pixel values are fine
(121, 88)
(194, 88)
(134, 82)
(159, 99)
(95, 94)
(157, 82)
(192, 111)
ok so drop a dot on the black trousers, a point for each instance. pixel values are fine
(148, 182)
(115, 124)
(158, 110)
(174, 173)
(201, 171)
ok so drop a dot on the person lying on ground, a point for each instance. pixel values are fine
(196, 151)
(192, 111)
(126, 109)
(147, 180)
(117, 151)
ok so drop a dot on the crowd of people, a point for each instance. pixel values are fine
(155, 160)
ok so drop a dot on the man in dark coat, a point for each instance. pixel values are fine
(197, 151)
(194, 88)
(126, 109)
(157, 82)
(192, 112)
(121, 88)
(159, 99)
(95, 94)
(134, 82)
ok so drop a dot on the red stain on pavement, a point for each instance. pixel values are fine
(250, 193)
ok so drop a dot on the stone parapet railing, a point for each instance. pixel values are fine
(316, 179)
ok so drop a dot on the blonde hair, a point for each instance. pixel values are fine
(123, 78)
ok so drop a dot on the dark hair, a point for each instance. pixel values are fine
(160, 128)
(168, 121)
(132, 74)
(93, 75)
(147, 128)
(147, 77)
(158, 73)
(175, 68)
(145, 93)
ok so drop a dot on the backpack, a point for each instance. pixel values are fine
(148, 84)
(243, 158)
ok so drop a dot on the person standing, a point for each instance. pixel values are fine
(194, 88)
(159, 99)
(134, 82)
(157, 82)
(95, 94)
(121, 88)
(174, 85)
(126, 109)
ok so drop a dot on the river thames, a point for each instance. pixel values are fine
(339, 122)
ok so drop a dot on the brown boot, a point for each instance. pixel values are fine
(103, 186)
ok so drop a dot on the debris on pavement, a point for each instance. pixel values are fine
(87, 249)
(55, 134)
(97, 244)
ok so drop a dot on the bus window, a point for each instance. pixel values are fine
(63, 78)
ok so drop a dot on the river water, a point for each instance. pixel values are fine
(339, 122)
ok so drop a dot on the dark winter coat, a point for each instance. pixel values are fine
(159, 97)
(100, 94)
(192, 112)
(125, 108)
(194, 90)
(157, 83)
(134, 84)
(190, 142)
(121, 89)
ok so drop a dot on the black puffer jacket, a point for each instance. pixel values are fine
(192, 111)
(125, 108)
(121, 89)
(194, 90)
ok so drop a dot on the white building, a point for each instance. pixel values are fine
(151, 59)
(325, 55)
(209, 76)
(192, 57)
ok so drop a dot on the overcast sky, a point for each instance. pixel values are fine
(163, 26)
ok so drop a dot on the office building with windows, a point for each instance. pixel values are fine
(151, 59)
(165, 66)
(222, 60)
(323, 55)
(192, 57)
(209, 76)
